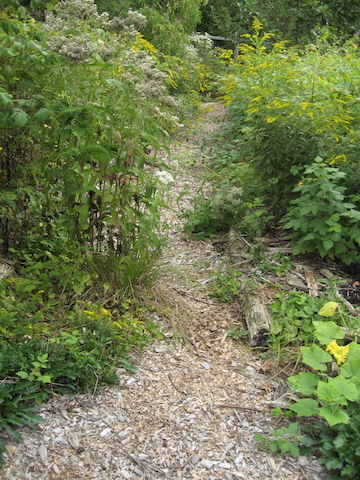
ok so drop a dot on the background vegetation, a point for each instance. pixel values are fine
(89, 94)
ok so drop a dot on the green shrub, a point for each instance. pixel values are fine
(212, 215)
(286, 109)
(225, 286)
(320, 217)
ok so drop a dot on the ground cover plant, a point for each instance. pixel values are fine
(327, 390)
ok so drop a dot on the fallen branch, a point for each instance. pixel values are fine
(238, 407)
(173, 384)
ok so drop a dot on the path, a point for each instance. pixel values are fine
(192, 408)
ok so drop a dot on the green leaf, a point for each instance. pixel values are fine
(328, 244)
(5, 98)
(315, 357)
(351, 368)
(354, 351)
(326, 332)
(334, 416)
(19, 117)
(22, 374)
(45, 379)
(306, 407)
(42, 115)
(304, 382)
(345, 387)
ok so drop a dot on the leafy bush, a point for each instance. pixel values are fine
(292, 316)
(292, 108)
(320, 217)
(331, 394)
(212, 215)
(48, 349)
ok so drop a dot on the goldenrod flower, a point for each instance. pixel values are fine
(338, 352)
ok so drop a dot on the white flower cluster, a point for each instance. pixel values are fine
(202, 44)
(150, 83)
(81, 10)
(63, 28)
(232, 196)
(164, 177)
(127, 27)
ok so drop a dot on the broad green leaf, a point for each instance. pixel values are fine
(315, 357)
(333, 417)
(22, 374)
(329, 309)
(351, 368)
(19, 117)
(330, 394)
(306, 407)
(354, 351)
(345, 387)
(45, 378)
(304, 382)
(42, 115)
(5, 98)
(326, 332)
(328, 244)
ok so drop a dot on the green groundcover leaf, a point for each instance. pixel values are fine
(326, 332)
(333, 417)
(304, 382)
(354, 351)
(351, 368)
(315, 357)
(306, 407)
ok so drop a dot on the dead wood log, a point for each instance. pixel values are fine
(257, 317)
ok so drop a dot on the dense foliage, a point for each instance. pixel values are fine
(292, 129)
(88, 98)
(86, 104)
(298, 22)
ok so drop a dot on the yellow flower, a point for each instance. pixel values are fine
(338, 352)
(300, 183)
(257, 25)
(271, 119)
(105, 312)
(89, 312)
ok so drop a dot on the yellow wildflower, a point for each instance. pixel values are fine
(89, 312)
(338, 352)
(257, 25)
(271, 119)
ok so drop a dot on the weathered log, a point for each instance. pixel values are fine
(257, 317)
(294, 281)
